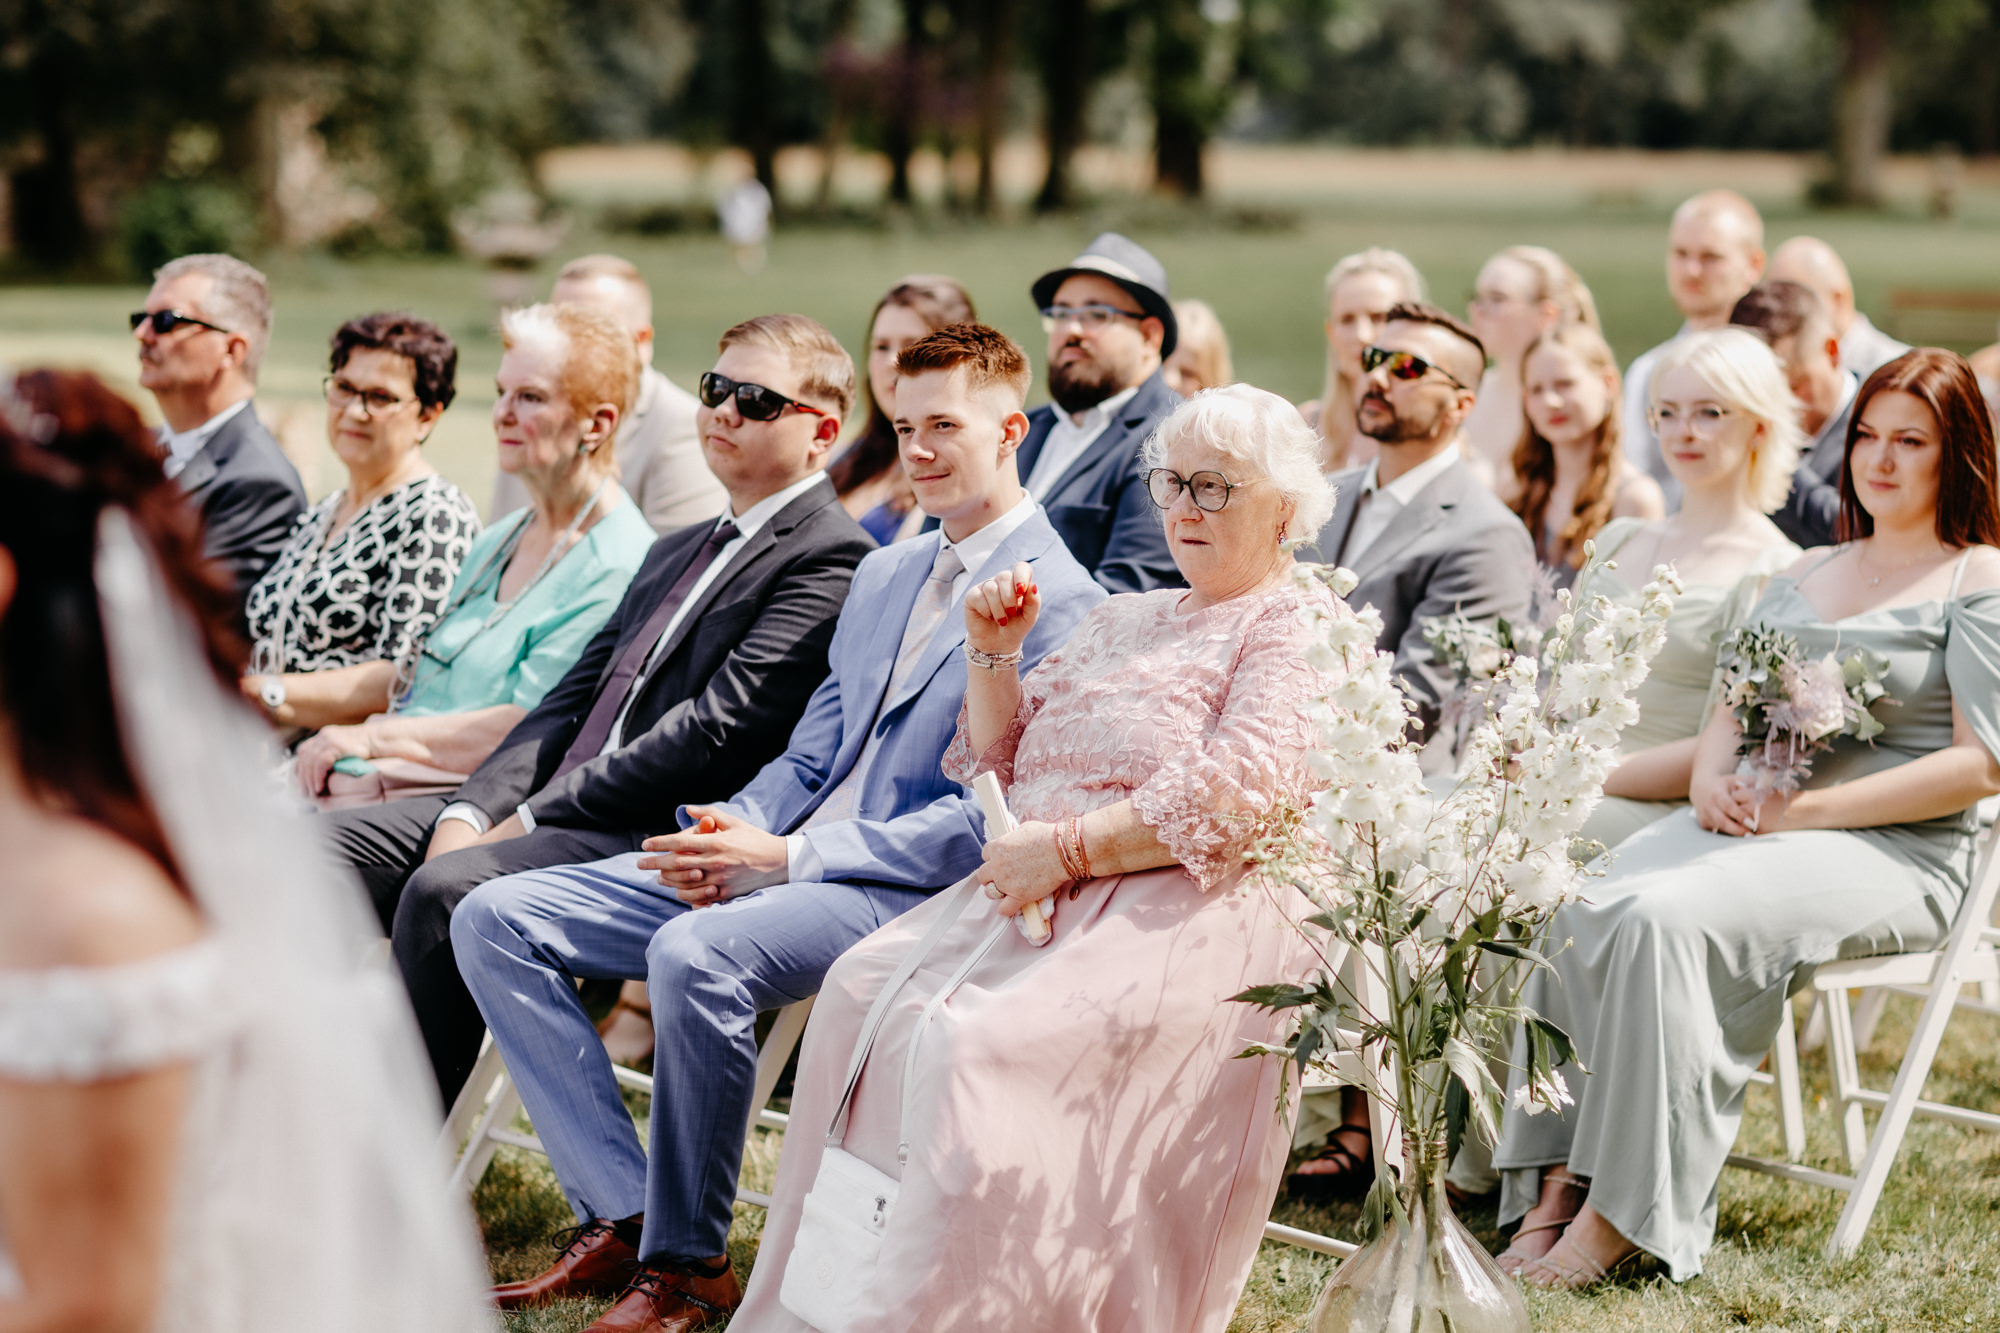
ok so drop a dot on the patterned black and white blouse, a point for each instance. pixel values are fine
(366, 594)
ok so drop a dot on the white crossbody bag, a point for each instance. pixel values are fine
(846, 1213)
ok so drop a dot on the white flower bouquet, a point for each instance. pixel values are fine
(1791, 707)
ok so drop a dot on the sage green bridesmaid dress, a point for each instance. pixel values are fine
(1678, 694)
(1683, 957)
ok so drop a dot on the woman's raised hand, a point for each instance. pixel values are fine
(1000, 612)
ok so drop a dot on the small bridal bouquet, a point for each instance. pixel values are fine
(1474, 651)
(1791, 707)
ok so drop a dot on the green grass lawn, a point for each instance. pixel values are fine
(1930, 1259)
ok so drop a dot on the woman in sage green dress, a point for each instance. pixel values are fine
(1726, 424)
(1683, 956)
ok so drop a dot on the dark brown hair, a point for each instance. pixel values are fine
(989, 356)
(432, 355)
(939, 302)
(1777, 309)
(1422, 312)
(69, 449)
(1535, 457)
(1968, 506)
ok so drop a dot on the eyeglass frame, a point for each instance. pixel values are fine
(175, 318)
(1185, 486)
(352, 395)
(1708, 433)
(1056, 316)
(1382, 355)
(735, 390)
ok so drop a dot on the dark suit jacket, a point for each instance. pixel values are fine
(1100, 507)
(1813, 508)
(717, 705)
(250, 497)
(1453, 548)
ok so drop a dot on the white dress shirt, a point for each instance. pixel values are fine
(1380, 503)
(182, 446)
(1069, 437)
(802, 863)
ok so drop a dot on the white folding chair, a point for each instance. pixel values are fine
(1967, 956)
(482, 1118)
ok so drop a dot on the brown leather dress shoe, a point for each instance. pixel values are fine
(661, 1301)
(590, 1261)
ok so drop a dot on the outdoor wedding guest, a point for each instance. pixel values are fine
(367, 569)
(1360, 289)
(747, 906)
(1715, 253)
(1093, 1076)
(201, 339)
(1815, 265)
(1522, 293)
(695, 681)
(1791, 320)
(1723, 415)
(1201, 361)
(1680, 961)
(868, 474)
(534, 588)
(187, 1040)
(1111, 328)
(658, 452)
(1570, 475)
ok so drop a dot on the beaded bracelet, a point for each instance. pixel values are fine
(992, 661)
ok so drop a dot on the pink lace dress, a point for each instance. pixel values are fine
(1086, 1152)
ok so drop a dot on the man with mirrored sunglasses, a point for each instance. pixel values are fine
(201, 338)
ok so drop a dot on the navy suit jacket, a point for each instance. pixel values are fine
(250, 498)
(913, 827)
(1100, 507)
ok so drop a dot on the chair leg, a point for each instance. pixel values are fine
(478, 1155)
(472, 1098)
(1867, 1014)
(1791, 1095)
(778, 1045)
(1846, 1071)
(1813, 1035)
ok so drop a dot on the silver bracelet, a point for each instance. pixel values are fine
(992, 661)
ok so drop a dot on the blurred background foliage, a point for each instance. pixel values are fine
(135, 128)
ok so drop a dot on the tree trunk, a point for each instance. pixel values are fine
(45, 199)
(754, 130)
(996, 58)
(1861, 103)
(1181, 96)
(905, 108)
(1065, 70)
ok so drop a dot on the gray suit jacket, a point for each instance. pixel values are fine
(1813, 508)
(659, 461)
(249, 495)
(1454, 548)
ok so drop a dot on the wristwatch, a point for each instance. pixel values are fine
(272, 693)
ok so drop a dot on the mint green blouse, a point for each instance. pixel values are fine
(467, 663)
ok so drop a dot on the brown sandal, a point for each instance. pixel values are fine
(1333, 1170)
(1512, 1262)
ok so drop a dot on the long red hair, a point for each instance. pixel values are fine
(1968, 505)
(1535, 457)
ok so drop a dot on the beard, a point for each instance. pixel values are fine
(1083, 384)
(1388, 426)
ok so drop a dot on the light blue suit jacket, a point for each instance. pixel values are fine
(913, 827)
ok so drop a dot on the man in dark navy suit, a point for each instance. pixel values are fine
(201, 339)
(1110, 328)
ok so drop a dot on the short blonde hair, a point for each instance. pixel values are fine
(1741, 371)
(1262, 430)
(600, 364)
(826, 371)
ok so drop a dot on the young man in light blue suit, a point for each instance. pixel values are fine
(748, 907)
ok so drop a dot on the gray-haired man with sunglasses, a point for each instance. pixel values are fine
(1423, 533)
(201, 339)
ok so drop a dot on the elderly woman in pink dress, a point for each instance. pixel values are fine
(1084, 1151)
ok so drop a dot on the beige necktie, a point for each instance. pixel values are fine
(926, 618)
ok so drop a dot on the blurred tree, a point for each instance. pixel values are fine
(1188, 101)
(996, 20)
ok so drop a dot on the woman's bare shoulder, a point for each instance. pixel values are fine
(77, 896)
(1982, 569)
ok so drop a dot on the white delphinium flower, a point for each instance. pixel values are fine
(1544, 1092)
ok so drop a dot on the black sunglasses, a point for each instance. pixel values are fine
(754, 401)
(1403, 365)
(166, 321)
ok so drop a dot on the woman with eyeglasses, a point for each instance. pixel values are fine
(1084, 1152)
(532, 590)
(367, 569)
(868, 474)
(1360, 290)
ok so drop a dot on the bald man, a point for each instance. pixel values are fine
(1815, 266)
(1715, 253)
(659, 451)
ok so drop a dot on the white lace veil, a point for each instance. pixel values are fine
(321, 1206)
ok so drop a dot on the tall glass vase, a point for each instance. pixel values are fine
(1424, 1275)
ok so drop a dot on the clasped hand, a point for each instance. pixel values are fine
(1731, 804)
(720, 858)
(1022, 867)
(313, 761)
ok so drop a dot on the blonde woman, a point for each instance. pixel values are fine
(1201, 357)
(1726, 425)
(1571, 476)
(1360, 291)
(1522, 293)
